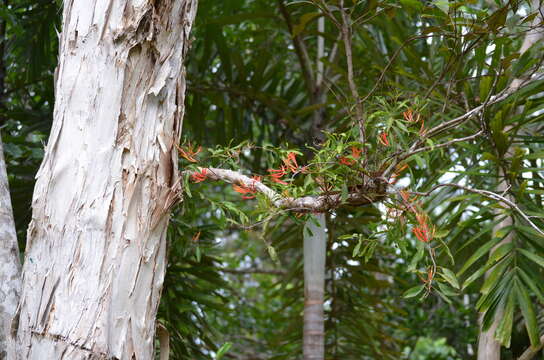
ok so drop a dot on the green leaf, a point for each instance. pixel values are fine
(484, 249)
(442, 5)
(528, 312)
(503, 332)
(532, 256)
(412, 292)
(357, 248)
(495, 275)
(223, 350)
(304, 20)
(450, 277)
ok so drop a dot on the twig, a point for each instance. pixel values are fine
(438, 146)
(488, 194)
(300, 49)
(254, 271)
(346, 36)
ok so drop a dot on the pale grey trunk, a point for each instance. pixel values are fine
(488, 347)
(315, 246)
(96, 244)
(10, 266)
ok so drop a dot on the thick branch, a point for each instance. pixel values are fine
(319, 203)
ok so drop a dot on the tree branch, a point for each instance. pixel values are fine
(254, 271)
(319, 203)
(487, 194)
(300, 50)
(346, 36)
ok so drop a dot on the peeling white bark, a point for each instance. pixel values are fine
(95, 256)
(10, 266)
(315, 247)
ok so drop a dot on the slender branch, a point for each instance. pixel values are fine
(318, 203)
(443, 145)
(487, 194)
(347, 37)
(300, 49)
(254, 271)
(438, 129)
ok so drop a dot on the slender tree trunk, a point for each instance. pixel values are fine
(95, 256)
(10, 266)
(315, 245)
(488, 347)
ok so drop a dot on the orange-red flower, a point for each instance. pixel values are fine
(196, 237)
(398, 170)
(247, 192)
(199, 176)
(291, 162)
(345, 161)
(189, 153)
(404, 195)
(277, 174)
(408, 115)
(422, 233)
(382, 138)
(422, 130)
(356, 152)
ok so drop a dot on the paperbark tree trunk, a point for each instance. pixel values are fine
(488, 347)
(315, 245)
(96, 244)
(10, 266)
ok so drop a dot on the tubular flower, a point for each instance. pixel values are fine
(189, 153)
(422, 130)
(291, 162)
(277, 174)
(398, 170)
(345, 161)
(405, 195)
(196, 237)
(382, 138)
(356, 152)
(422, 231)
(199, 176)
(247, 192)
(409, 116)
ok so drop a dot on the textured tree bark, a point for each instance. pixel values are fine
(95, 256)
(488, 347)
(10, 266)
(315, 245)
